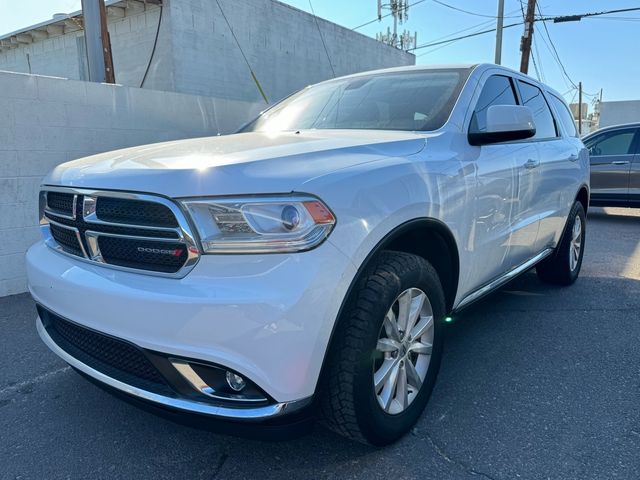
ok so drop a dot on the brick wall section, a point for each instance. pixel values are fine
(45, 121)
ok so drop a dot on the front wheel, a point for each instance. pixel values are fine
(563, 267)
(385, 355)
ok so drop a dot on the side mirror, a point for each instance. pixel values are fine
(505, 123)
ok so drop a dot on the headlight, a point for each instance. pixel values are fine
(260, 224)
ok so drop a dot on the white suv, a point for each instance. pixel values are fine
(305, 266)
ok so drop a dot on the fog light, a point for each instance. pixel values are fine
(236, 382)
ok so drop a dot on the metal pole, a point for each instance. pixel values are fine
(96, 41)
(579, 108)
(395, 27)
(528, 36)
(500, 17)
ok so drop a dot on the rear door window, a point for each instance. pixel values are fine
(565, 116)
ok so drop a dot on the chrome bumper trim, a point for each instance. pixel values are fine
(187, 406)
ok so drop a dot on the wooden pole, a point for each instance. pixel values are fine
(525, 46)
(110, 76)
(579, 108)
(498, 55)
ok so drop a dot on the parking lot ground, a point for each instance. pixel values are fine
(536, 382)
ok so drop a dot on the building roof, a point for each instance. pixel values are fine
(62, 23)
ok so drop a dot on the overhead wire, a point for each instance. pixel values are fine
(473, 27)
(554, 50)
(253, 75)
(539, 19)
(322, 39)
(153, 49)
(452, 7)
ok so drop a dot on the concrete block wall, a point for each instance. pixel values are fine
(281, 42)
(45, 121)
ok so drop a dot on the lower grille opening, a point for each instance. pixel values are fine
(115, 358)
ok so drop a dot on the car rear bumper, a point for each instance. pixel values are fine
(266, 317)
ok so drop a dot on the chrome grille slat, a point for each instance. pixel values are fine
(134, 247)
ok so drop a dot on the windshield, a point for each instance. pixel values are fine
(417, 100)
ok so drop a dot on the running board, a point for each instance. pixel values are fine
(498, 282)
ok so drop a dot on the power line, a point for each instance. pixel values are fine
(540, 19)
(475, 34)
(555, 51)
(452, 7)
(479, 25)
(253, 75)
(322, 38)
(571, 18)
(153, 49)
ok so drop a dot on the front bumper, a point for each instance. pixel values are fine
(267, 317)
(180, 404)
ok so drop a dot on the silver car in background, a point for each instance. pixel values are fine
(615, 165)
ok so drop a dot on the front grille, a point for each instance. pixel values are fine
(134, 212)
(60, 203)
(67, 239)
(134, 233)
(113, 357)
(134, 253)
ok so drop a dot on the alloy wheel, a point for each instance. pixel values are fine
(403, 351)
(576, 244)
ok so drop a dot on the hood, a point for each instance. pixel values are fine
(243, 163)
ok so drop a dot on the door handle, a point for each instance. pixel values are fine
(531, 164)
(620, 162)
(573, 157)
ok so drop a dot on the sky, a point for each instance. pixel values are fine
(599, 52)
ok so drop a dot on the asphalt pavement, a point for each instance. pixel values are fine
(536, 382)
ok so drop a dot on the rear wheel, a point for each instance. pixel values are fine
(386, 351)
(563, 267)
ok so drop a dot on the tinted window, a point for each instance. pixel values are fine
(564, 116)
(497, 90)
(419, 100)
(611, 143)
(532, 97)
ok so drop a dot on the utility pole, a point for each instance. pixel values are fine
(500, 17)
(525, 45)
(96, 37)
(106, 44)
(579, 108)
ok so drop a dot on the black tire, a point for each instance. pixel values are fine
(557, 268)
(348, 401)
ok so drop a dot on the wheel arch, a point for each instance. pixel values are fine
(583, 197)
(405, 237)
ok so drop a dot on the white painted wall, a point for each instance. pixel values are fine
(45, 121)
(615, 113)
